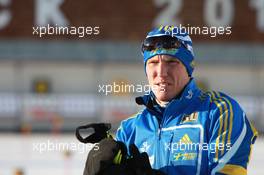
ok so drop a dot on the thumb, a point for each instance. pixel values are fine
(134, 150)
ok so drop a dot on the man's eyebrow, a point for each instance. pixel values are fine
(153, 59)
(171, 59)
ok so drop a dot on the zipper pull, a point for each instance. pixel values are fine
(159, 133)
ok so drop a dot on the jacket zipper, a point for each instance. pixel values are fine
(160, 125)
(170, 152)
(159, 138)
(158, 146)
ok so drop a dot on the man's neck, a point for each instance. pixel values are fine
(162, 103)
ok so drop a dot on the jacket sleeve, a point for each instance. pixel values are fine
(125, 131)
(120, 133)
(231, 138)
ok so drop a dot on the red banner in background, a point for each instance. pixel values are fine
(130, 20)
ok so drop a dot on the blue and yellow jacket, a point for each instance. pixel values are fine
(197, 133)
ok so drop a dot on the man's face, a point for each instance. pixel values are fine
(167, 76)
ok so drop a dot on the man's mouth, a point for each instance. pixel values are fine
(162, 84)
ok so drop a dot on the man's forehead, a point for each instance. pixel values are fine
(164, 58)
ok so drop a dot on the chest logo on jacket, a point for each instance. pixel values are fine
(186, 150)
(189, 118)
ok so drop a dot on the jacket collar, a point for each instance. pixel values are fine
(177, 104)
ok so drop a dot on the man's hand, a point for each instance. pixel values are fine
(101, 159)
(139, 163)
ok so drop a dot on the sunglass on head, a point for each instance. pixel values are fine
(166, 42)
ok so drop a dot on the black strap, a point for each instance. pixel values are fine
(100, 132)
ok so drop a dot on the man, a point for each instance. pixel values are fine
(184, 130)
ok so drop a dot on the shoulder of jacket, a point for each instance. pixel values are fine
(219, 100)
(128, 124)
(132, 117)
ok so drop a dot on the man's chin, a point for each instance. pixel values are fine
(163, 98)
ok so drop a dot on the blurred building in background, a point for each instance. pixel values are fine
(60, 59)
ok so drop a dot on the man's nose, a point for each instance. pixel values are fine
(162, 69)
